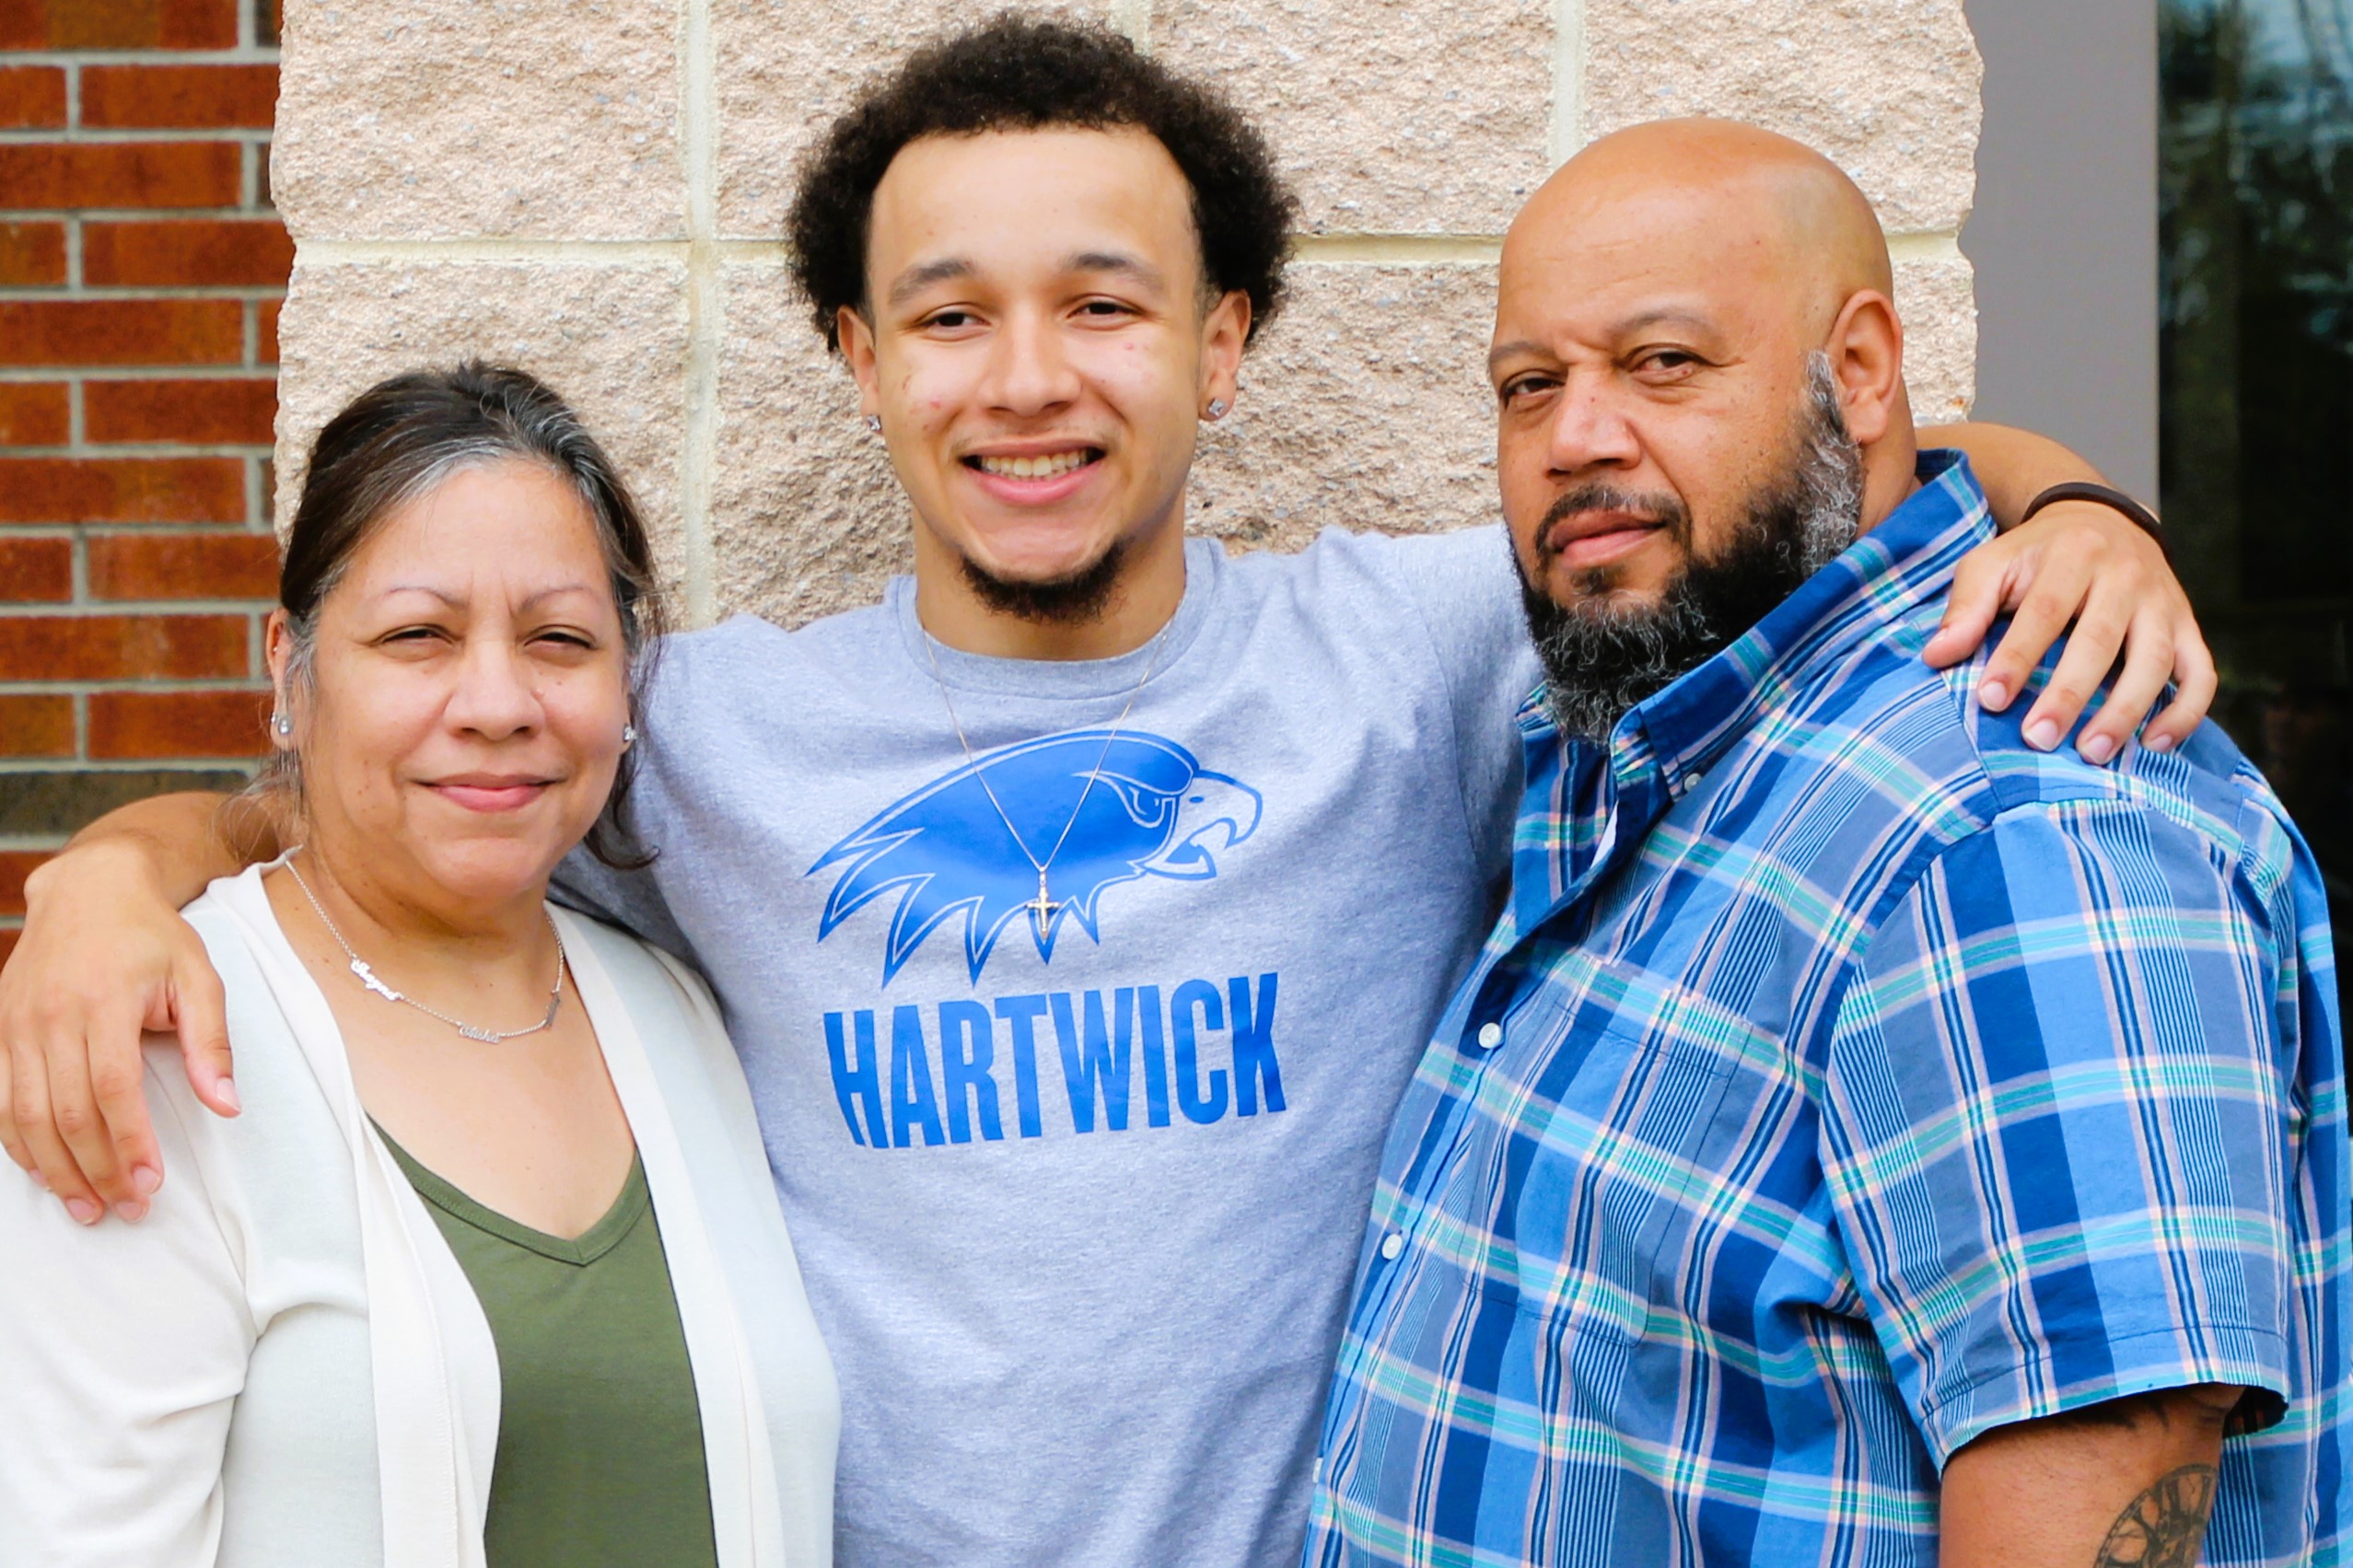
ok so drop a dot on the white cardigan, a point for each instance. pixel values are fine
(283, 1365)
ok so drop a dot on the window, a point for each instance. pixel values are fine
(2255, 367)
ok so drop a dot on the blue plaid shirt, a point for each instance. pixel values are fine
(1843, 1080)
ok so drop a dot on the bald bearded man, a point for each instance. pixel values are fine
(1864, 1138)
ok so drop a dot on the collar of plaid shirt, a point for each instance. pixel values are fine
(1580, 808)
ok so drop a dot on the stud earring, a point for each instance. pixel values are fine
(1216, 408)
(281, 724)
(628, 735)
(874, 423)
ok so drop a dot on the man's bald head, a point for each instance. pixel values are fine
(1700, 374)
(1791, 213)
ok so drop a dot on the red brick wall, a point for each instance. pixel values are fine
(141, 268)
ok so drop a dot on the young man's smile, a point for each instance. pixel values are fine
(1034, 473)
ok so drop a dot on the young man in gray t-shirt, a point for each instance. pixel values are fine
(1080, 911)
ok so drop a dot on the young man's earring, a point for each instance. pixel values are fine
(1216, 408)
(874, 423)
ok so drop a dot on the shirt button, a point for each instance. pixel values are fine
(1690, 782)
(1391, 1245)
(1490, 1036)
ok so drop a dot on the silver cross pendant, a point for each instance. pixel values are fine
(1042, 910)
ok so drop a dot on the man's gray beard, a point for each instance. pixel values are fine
(1602, 658)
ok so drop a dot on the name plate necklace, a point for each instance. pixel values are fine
(368, 975)
(1043, 908)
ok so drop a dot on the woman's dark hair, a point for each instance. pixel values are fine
(1024, 72)
(403, 436)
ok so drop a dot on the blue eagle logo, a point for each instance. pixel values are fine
(1152, 810)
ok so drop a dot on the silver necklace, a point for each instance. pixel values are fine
(368, 975)
(1043, 908)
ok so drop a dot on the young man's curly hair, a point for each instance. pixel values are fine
(1021, 72)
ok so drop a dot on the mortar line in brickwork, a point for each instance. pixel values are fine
(1937, 247)
(1483, 249)
(128, 292)
(129, 372)
(1469, 249)
(609, 252)
(1134, 20)
(1568, 130)
(588, 253)
(132, 215)
(243, 54)
(37, 609)
(1420, 249)
(218, 686)
(85, 764)
(706, 308)
(143, 450)
(110, 135)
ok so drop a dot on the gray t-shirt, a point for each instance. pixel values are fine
(1078, 1215)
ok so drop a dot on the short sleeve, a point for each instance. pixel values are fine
(2056, 1130)
(1462, 586)
(122, 1349)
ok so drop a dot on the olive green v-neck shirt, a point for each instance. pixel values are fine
(600, 1434)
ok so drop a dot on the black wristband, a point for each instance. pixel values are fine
(2138, 515)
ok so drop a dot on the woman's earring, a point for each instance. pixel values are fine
(628, 735)
(874, 423)
(1216, 408)
(281, 724)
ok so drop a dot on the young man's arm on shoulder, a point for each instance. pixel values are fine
(105, 956)
(2080, 570)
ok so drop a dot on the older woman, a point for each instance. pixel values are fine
(499, 1277)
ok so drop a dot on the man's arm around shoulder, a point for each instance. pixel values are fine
(104, 957)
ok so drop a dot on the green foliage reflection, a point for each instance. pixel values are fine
(2256, 349)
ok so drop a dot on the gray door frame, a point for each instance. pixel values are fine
(2064, 236)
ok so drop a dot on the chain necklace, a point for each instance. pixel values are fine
(1043, 908)
(368, 975)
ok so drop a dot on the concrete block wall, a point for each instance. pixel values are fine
(141, 268)
(595, 188)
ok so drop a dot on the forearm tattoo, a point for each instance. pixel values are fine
(2166, 1526)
